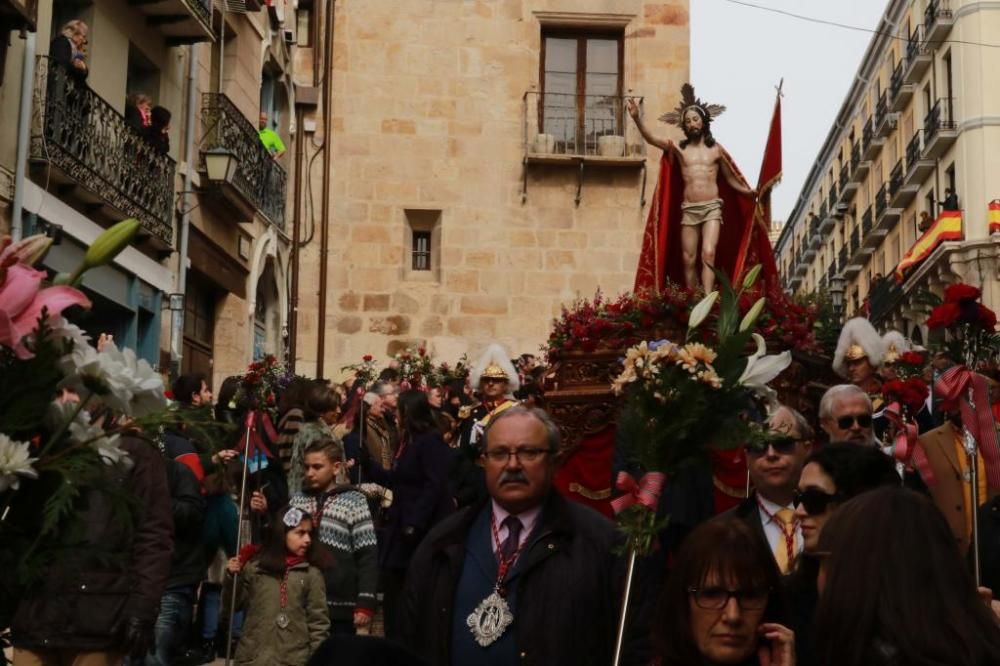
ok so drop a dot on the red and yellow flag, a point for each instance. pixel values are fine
(948, 226)
(994, 216)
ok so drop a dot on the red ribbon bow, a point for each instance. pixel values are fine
(906, 447)
(646, 491)
(957, 383)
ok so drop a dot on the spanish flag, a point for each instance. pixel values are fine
(947, 227)
(994, 216)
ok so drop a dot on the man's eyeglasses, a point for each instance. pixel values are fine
(846, 422)
(525, 455)
(716, 598)
(781, 446)
(815, 501)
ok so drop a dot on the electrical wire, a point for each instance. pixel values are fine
(847, 26)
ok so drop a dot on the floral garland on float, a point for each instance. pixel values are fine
(971, 342)
(65, 406)
(684, 397)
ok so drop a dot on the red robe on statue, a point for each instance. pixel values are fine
(743, 240)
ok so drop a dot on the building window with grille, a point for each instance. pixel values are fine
(421, 250)
(581, 88)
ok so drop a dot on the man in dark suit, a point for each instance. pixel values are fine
(774, 472)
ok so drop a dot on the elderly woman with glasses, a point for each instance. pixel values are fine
(722, 603)
(831, 476)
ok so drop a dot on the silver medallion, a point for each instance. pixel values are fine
(282, 620)
(490, 619)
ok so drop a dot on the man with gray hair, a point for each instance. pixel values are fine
(514, 578)
(845, 414)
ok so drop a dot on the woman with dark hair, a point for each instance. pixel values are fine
(831, 476)
(722, 602)
(419, 483)
(895, 589)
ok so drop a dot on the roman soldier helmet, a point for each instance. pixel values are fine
(858, 339)
(895, 345)
(495, 364)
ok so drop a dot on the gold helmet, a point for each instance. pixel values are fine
(858, 340)
(895, 346)
(495, 364)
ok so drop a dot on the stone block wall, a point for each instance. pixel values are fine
(428, 115)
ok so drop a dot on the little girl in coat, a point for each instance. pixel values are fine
(283, 593)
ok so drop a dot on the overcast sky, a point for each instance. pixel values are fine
(738, 55)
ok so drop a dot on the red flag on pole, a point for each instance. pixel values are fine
(770, 168)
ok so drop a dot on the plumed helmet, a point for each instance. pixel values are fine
(858, 339)
(495, 364)
(895, 345)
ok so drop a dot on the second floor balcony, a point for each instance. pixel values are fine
(83, 147)
(938, 21)
(259, 183)
(940, 128)
(918, 167)
(918, 57)
(180, 21)
(901, 91)
(885, 121)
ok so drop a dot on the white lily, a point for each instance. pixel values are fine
(14, 463)
(700, 311)
(762, 368)
(106, 446)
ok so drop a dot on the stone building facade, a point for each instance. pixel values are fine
(919, 120)
(483, 171)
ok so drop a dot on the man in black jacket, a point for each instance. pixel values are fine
(525, 577)
(94, 608)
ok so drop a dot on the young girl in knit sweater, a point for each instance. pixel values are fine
(283, 593)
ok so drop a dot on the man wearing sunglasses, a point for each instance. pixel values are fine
(774, 467)
(845, 413)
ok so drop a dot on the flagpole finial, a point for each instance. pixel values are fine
(780, 87)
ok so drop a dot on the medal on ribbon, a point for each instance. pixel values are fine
(493, 615)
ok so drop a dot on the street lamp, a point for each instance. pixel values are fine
(220, 164)
(838, 285)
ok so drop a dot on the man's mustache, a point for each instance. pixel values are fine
(512, 476)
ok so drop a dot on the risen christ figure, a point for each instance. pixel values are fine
(700, 159)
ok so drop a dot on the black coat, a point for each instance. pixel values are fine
(420, 496)
(188, 507)
(568, 597)
(82, 600)
(61, 51)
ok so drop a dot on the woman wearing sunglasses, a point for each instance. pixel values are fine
(831, 476)
(722, 602)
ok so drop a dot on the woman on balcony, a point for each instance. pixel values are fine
(69, 49)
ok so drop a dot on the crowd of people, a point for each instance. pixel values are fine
(388, 523)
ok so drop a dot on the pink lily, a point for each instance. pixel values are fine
(22, 300)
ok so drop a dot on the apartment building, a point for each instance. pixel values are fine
(919, 122)
(482, 169)
(205, 287)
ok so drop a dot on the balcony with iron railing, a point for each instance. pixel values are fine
(259, 182)
(938, 21)
(885, 122)
(85, 149)
(895, 179)
(564, 126)
(918, 57)
(832, 198)
(940, 128)
(179, 21)
(859, 164)
(842, 257)
(881, 202)
(813, 234)
(902, 92)
(871, 142)
(918, 168)
(883, 297)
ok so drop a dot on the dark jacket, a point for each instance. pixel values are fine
(81, 600)
(188, 509)
(568, 597)
(749, 513)
(420, 496)
(61, 50)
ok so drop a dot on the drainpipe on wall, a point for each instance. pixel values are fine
(324, 241)
(23, 130)
(293, 319)
(177, 316)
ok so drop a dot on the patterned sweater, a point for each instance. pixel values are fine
(347, 533)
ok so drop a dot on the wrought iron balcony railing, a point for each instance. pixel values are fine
(896, 83)
(571, 125)
(935, 9)
(832, 198)
(913, 44)
(881, 202)
(845, 176)
(913, 150)
(842, 256)
(866, 222)
(855, 156)
(938, 118)
(896, 178)
(259, 178)
(867, 135)
(881, 109)
(80, 133)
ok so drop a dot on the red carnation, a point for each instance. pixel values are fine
(367, 358)
(247, 552)
(912, 358)
(961, 292)
(944, 315)
(987, 318)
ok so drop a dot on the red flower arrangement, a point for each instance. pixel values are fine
(911, 393)
(971, 325)
(602, 323)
